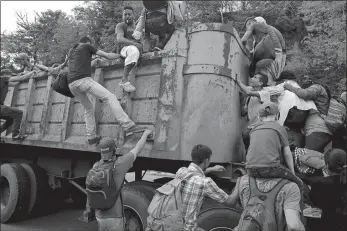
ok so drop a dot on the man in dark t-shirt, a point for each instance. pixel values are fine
(81, 84)
(113, 219)
(268, 44)
(128, 47)
(11, 115)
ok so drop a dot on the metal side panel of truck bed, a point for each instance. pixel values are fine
(186, 93)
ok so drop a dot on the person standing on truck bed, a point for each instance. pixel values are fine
(268, 44)
(111, 219)
(10, 114)
(81, 83)
(128, 47)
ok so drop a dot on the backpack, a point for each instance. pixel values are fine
(60, 84)
(100, 186)
(336, 115)
(165, 209)
(259, 213)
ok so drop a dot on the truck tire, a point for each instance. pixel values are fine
(218, 219)
(38, 187)
(147, 191)
(15, 193)
(135, 209)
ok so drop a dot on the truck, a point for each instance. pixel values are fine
(186, 93)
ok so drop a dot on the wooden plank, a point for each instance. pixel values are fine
(99, 78)
(28, 107)
(66, 118)
(47, 106)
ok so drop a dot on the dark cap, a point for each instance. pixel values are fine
(247, 19)
(107, 145)
(267, 109)
(335, 159)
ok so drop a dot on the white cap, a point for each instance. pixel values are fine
(260, 19)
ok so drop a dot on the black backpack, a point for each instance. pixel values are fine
(101, 187)
(60, 83)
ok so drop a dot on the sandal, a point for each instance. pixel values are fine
(127, 86)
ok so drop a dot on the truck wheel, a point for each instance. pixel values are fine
(218, 219)
(148, 191)
(38, 187)
(135, 209)
(15, 192)
(144, 183)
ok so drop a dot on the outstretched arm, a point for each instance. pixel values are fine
(247, 90)
(139, 146)
(108, 55)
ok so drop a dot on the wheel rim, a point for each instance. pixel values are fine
(221, 229)
(133, 221)
(4, 192)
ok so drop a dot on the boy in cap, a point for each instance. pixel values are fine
(112, 219)
(329, 192)
(267, 140)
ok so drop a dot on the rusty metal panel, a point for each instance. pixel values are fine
(144, 111)
(37, 113)
(58, 112)
(110, 130)
(57, 98)
(54, 129)
(21, 97)
(78, 129)
(147, 86)
(77, 113)
(113, 86)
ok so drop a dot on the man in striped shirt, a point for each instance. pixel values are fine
(197, 187)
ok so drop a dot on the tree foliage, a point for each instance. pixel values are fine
(315, 31)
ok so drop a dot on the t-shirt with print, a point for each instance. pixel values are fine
(80, 62)
(266, 142)
(287, 198)
(122, 166)
(254, 104)
(128, 31)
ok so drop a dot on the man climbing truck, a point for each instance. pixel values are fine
(186, 94)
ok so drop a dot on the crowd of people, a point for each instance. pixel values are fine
(283, 177)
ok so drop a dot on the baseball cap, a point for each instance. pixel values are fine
(267, 109)
(335, 159)
(107, 145)
(247, 19)
(260, 19)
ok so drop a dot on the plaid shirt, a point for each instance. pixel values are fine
(194, 190)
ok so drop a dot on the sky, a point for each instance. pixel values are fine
(9, 8)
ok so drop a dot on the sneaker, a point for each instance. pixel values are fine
(19, 137)
(134, 129)
(127, 86)
(95, 140)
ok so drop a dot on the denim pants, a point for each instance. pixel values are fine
(12, 116)
(80, 88)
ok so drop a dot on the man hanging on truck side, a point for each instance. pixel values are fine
(128, 47)
(11, 115)
(269, 44)
(81, 84)
(107, 176)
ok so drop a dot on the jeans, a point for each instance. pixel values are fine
(110, 224)
(81, 87)
(12, 116)
(317, 141)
